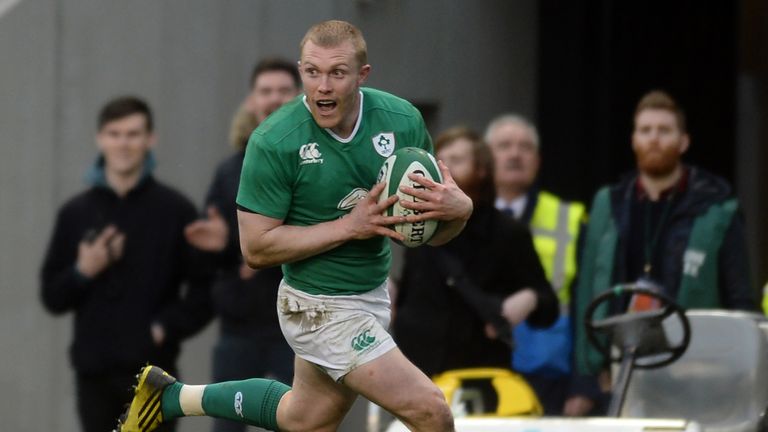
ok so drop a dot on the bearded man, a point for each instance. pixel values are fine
(675, 225)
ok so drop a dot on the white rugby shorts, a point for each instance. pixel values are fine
(336, 333)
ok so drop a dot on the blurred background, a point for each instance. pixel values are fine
(577, 68)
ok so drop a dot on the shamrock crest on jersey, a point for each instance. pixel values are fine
(384, 143)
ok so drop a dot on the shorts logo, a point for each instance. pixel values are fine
(239, 404)
(384, 143)
(363, 340)
(309, 154)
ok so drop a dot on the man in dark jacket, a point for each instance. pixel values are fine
(455, 303)
(251, 343)
(118, 259)
(675, 225)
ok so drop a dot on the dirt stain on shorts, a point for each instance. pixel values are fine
(308, 316)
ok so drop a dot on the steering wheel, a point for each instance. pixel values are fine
(639, 333)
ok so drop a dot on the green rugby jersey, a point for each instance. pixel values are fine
(301, 173)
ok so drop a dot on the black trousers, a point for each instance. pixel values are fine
(101, 400)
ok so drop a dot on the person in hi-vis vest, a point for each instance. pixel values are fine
(543, 356)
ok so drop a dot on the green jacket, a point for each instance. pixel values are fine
(708, 269)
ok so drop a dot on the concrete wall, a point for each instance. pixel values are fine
(191, 60)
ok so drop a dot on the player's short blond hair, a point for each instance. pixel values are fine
(329, 34)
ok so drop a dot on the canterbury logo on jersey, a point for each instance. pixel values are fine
(310, 154)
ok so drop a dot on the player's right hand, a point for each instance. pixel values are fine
(366, 220)
(94, 256)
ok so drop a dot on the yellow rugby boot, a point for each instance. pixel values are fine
(144, 413)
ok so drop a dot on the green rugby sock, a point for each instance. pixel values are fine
(253, 401)
(170, 405)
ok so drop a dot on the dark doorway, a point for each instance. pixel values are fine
(598, 57)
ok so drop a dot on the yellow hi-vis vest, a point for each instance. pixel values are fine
(555, 227)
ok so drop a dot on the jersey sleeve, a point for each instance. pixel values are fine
(265, 185)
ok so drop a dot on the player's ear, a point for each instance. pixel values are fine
(363, 74)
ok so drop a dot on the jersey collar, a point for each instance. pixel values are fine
(357, 124)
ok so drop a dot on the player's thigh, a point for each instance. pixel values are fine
(394, 383)
(315, 402)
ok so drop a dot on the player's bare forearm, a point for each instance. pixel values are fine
(288, 243)
(274, 245)
(267, 242)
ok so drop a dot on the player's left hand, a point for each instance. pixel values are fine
(442, 201)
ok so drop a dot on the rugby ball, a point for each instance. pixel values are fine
(394, 173)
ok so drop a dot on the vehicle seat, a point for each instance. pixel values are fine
(721, 381)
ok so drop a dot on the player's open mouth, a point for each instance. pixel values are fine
(325, 105)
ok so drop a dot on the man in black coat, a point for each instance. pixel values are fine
(118, 259)
(455, 303)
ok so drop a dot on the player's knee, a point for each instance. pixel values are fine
(433, 413)
(306, 419)
(441, 416)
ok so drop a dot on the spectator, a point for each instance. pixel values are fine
(119, 260)
(250, 343)
(543, 356)
(455, 302)
(674, 224)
